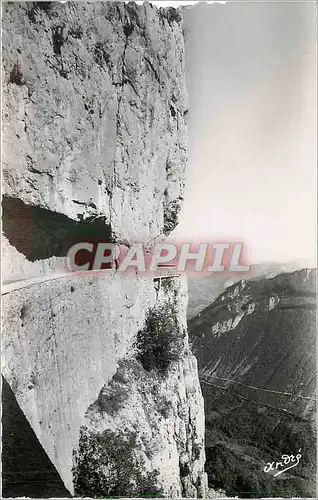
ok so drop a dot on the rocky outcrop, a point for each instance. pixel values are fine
(94, 132)
(261, 314)
(152, 410)
(203, 290)
(71, 358)
(255, 346)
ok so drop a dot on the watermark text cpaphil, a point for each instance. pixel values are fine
(186, 257)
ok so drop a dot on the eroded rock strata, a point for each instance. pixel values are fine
(94, 107)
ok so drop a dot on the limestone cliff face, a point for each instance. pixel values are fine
(94, 130)
(71, 358)
(94, 113)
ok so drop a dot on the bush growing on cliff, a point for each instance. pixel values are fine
(170, 216)
(172, 15)
(16, 75)
(160, 342)
(106, 466)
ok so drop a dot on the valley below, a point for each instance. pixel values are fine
(255, 346)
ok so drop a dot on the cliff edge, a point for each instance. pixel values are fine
(94, 110)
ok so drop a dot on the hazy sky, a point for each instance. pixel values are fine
(252, 127)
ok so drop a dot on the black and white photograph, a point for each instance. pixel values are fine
(158, 249)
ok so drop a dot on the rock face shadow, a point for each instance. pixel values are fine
(26, 469)
(39, 233)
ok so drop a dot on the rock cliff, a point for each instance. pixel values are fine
(72, 359)
(94, 106)
(94, 109)
(255, 346)
(204, 290)
(260, 320)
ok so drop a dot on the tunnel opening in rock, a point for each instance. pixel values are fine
(26, 469)
(39, 233)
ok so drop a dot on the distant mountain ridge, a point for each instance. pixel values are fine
(204, 290)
